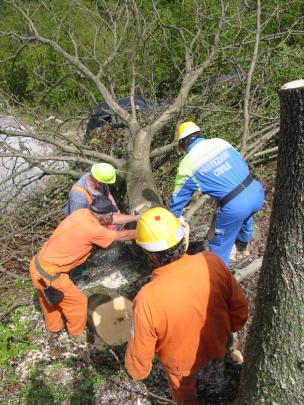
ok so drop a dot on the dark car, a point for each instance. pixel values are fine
(102, 113)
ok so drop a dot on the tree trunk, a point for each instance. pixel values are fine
(274, 363)
(141, 187)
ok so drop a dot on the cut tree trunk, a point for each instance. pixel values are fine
(274, 364)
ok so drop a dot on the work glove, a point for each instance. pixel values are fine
(186, 227)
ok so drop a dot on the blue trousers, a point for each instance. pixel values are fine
(235, 220)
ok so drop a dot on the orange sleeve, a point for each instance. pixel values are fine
(237, 304)
(235, 298)
(104, 237)
(141, 345)
(125, 234)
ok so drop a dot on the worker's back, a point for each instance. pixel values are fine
(72, 241)
(191, 305)
(215, 165)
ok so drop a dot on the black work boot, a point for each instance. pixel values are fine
(240, 245)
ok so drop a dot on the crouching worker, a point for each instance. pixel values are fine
(91, 185)
(186, 312)
(69, 246)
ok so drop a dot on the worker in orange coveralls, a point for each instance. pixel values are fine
(186, 312)
(69, 246)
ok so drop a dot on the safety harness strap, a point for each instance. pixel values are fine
(43, 273)
(237, 190)
(85, 192)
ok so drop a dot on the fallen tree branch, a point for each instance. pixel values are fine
(263, 131)
(12, 308)
(266, 152)
(264, 161)
(195, 205)
(257, 146)
(246, 272)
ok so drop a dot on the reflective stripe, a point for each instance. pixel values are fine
(164, 244)
(197, 183)
(85, 192)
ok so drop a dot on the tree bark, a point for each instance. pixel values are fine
(141, 187)
(274, 364)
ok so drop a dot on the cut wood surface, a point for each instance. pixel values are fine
(112, 320)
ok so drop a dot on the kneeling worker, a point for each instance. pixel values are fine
(186, 312)
(69, 246)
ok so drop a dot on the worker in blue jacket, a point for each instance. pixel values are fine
(215, 168)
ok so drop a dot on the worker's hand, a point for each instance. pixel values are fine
(186, 227)
(137, 216)
(182, 220)
(187, 234)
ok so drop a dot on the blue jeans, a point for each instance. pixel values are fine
(235, 220)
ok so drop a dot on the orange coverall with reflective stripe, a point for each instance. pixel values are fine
(184, 314)
(68, 247)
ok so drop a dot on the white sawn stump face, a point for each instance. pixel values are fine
(112, 320)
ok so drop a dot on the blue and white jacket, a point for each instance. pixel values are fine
(210, 166)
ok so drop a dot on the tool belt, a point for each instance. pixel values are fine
(43, 273)
(236, 191)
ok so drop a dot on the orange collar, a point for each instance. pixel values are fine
(171, 267)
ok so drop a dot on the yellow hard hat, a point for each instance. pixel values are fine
(104, 173)
(158, 229)
(185, 129)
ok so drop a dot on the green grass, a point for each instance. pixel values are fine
(16, 333)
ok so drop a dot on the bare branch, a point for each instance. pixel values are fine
(73, 60)
(260, 143)
(269, 151)
(12, 308)
(245, 134)
(163, 149)
(189, 78)
(195, 205)
(49, 139)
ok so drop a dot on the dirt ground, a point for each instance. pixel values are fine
(217, 384)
